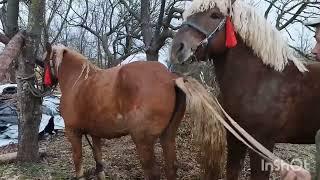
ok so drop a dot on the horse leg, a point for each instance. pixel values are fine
(260, 170)
(145, 151)
(168, 144)
(236, 154)
(98, 157)
(75, 138)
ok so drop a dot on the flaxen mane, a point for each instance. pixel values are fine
(265, 40)
(86, 65)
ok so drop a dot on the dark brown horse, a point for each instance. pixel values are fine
(140, 99)
(267, 91)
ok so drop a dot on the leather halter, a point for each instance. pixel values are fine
(204, 44)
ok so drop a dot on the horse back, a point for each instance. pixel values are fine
(145, 84)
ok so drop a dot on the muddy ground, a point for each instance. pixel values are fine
(121, 159)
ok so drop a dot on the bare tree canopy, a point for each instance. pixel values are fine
(290, 14)
(110, 31)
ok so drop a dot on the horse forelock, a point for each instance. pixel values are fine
(86, 66)
(204, 5)
(57, 55)
(264, 39)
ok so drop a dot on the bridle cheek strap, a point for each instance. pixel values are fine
(204, 44)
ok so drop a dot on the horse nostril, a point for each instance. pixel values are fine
(181, 46)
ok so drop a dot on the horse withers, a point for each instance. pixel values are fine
(270, 93)
(140, 99)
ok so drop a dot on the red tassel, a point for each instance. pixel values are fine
(47, 76)
(231, 40)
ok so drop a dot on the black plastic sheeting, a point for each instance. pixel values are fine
(50, 122)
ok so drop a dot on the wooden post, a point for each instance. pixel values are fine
(318, 155)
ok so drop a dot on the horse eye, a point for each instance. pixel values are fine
(214, 16)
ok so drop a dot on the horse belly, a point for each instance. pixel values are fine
(105, 127)
(109, 127)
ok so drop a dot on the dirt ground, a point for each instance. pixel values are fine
(121, 159)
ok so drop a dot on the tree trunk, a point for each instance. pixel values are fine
(152, 55)
(12, 17)
(145, 22)
(29, 106)
(146, 25)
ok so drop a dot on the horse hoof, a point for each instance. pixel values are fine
(101, 176)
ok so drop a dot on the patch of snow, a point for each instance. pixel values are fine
(4, 142)
(133, 58)
(9, 123)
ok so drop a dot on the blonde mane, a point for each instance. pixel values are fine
(264, 39)
(86, 64)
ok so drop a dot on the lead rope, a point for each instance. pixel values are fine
(31, 83)
(90, 144)
(255, 145)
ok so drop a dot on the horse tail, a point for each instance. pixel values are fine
(178, 113)
(208, 132)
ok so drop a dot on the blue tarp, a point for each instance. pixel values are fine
(9, 117)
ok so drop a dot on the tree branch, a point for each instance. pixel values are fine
(63, 22)
(160, 19)
(4, 39)
(298, 12)
(10, 52)
(269, 8)
(134, 14)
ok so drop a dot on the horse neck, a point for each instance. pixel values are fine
(71, 69)
(237, 61)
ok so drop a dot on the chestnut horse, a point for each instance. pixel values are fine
(271, 94)
(140, 99)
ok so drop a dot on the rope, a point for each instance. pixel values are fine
(38, 92)
(34, 88)
(86, 135)
(254, 144)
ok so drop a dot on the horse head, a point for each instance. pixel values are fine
(52, 60)
(209, 32)
(202, 36)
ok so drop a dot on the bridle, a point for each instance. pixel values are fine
(204, 44)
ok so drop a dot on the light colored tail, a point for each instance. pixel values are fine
(208, 132)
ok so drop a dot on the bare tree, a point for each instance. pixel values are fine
(292, 13)
(155, 35)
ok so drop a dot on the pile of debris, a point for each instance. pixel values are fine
(51, 120)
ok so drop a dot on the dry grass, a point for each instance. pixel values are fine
(122, 162)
